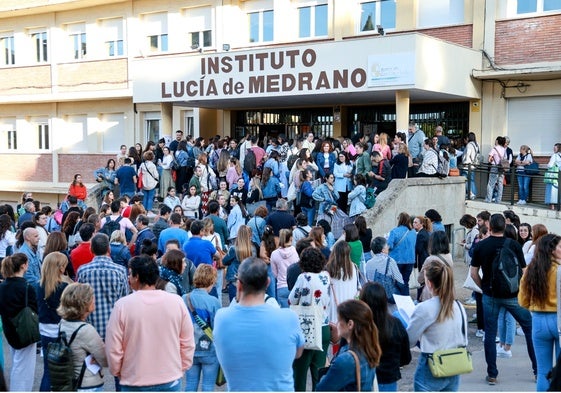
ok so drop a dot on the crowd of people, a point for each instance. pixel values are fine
(99, 273)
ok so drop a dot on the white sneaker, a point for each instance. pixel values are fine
(519, 331)
(479, 333)
(502, 353)
(521, 202)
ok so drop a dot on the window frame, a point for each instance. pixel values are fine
(378, 4)
(261, 25)
(540, 4)
(9, 55)
(113, 42)
(313, 20)
(12, 136)
(156, 38)
(43, 135)
(40, 41)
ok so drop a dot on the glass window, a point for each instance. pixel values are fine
(533, 6)
(77, 35)
(374, 13)
(7, 46)
(551, 5)
(43, 136)
(12, 140)
(526, 6)
(156, 29)
(261, 26)
(153, 129)
(199, 21)
(436, 13)
(40, 42)
(312, 21)
(112, 29)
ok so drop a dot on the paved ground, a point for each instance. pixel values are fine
(515, 374)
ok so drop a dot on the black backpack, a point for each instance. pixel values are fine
(505, 272)
(61, 364)
(249, 162)
(111, 225)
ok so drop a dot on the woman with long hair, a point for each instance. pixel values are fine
(191, 203)
(236, 217)
(166, 178)
(134, 154)
(56, 241)
(15, 295)
(439, 323)
(317, 236)
(269, 243)
(120, 253)
(439, 249)
(343, 171)
(76, 304)
(525, 236)
(353, 239)
(223, 164)
(551, 190)
(150, 177)
(281, 259)
(7, 237)
(52, 283)
(357, 196)
(271, 188)
(392, 335)
(306, 202)
(106, 176)
(356, 326)
(207, 173)
(430, 161)
(171, 199)
(383, 146)
(401, 162)
(243, 248)
(365, 237)
(69, 226)
(538, 294)
(108, 198)
(234, 172)
(538, 230)
(173, 266)
(344, 277)
(401, 242)
(325, 159)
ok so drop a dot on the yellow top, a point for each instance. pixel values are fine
(551, 302)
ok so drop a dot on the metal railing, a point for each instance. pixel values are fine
(537, 188)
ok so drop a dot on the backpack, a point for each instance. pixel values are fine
(61, 364)
(478, 159)
(291, 160)
(190, 157)
(504, 164)
(505, 272)
(250, 162)
(111, 225)
(370, 197)
(443, 166)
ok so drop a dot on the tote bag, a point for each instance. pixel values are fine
(310, 318)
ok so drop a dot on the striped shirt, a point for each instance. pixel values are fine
(110, 283)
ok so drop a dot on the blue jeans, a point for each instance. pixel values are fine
(282, 296)
(495, 178)
(387, 387)
(232, 290)
(46, 380)
(272, 288)
(405, 270)
(523, 187)
(173, 386)
(208, 365)
(310, 212)
(148, 199)
(425, 382)
(470, 183)
(506, 326)
(491, 308)
(545, 338)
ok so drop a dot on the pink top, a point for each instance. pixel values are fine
(496, 154)
(281, 259)
(149, 338)
(232, 176)
(385, 151)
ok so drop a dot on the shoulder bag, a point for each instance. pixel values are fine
(310, 319)
(454, 361)
(391, 286)
(26, 324)
(207, 330)
(322, 371)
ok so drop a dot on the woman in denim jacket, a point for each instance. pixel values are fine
(356, 326)
(326, 194)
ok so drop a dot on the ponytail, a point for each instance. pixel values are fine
(442, 279)
(12, 264)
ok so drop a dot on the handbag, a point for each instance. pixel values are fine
(139, 182)
(450, 362)
(207, 330)
(391, 286)
(310, 319)
(532, 169)
(551, 176)
(26, 324)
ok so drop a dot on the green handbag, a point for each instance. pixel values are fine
(450, 362)
(551, 176)
(26, 324)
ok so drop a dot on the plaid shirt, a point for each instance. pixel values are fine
(110, 283)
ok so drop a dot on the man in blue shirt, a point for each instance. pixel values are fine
(144, 232)
(271, 335)
(126, 178)
(173, 232)
(197, 249)
(30, 249)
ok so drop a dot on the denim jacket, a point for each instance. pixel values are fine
(272, 189)
(320, 160)
(327, 197)
(403, 251)
(341, 375)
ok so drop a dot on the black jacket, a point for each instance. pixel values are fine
(12, 301)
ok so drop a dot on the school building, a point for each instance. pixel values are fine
(81, 77)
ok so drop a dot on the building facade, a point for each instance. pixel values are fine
(81, 77)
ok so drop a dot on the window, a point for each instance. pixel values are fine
(375, 13)
(261, 26)
(531, 6)
(77, 36)
(440, 13)
(7, 46)
(113, 36)
(199, 21)
(75, 134)
(112, 129)
(156, 29)
(312, 21)
(40, 42)
(43, 136)
(12, 140)
(152, 123)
